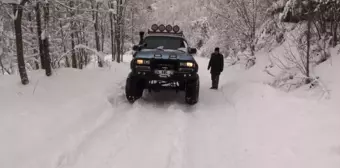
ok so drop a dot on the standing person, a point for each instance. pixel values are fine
(216, 65)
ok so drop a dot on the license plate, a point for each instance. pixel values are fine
(164, 73)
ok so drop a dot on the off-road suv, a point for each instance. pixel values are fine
(163, 60)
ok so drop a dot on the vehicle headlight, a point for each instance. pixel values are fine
(187, 64)
(142, 62)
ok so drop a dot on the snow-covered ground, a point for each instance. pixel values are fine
(80, 119)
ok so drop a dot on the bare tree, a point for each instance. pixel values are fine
(39, 31)
(47, 61)
(308, 34)
(248, 14)
(112, 33)
(73, 29)
(120, 27)
(18, 12)
(95, 5)
(36, 58)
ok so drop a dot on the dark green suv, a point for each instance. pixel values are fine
(163, 60)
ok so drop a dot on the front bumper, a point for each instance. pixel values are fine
(147, 73)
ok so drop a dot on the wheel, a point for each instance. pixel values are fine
(129, 93)
(192, 91)
(182, 86)
(133, 89)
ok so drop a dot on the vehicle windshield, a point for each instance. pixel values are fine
(164, 42)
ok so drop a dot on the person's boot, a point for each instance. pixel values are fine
(213, 85)
(217, 80)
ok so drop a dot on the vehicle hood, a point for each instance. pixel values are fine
(164, 54)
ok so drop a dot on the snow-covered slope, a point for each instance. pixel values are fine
(80, 119)
(327, 72)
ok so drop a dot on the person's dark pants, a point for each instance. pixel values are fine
(215, 77)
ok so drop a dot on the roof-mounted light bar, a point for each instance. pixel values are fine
(154, 27)
(162, 28)
(176, 29)
(168, 28)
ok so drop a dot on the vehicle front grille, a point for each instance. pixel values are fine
(164, 64)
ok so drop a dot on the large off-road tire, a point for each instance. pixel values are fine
(182, 85)
(133, 89)
(192, 91)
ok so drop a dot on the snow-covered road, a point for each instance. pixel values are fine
(244, 124)
(162, 131)
(148, 136)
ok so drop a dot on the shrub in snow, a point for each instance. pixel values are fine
(287, 81)
(271, 34)
(199, 32)
(289, 59)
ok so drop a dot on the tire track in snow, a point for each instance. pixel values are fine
(120, 107)
(159, 145)
(153, 138)
(156, 134)
(115, 129)
(176, 155)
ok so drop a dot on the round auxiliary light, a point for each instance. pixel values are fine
(168, 28)
(161, 28)
(154, 27)
(176, 29)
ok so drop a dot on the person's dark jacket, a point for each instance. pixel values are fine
(216, 63)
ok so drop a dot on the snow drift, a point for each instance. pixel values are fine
(44, 122)
(80, 119)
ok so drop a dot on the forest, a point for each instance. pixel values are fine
(67, 81)
(37, 34)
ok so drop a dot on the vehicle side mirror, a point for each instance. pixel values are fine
(136, 48)
(192, 50)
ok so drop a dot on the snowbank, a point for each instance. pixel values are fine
(278, 129)
(42, 124)
(327, 73)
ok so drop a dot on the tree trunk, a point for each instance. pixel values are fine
(335, 36)
(96, 30)
(113, 50)
(308, 46)
(253, 29)
(103, 35)
(118, 29)
(81, 50)
(39, 31)
(132, 26)
(2, 65)
(48, 69)
(36, 62)
(67, 61)
(123, 33)
(84, 41)
(122, 38)
(17, 8)
(74, 59)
